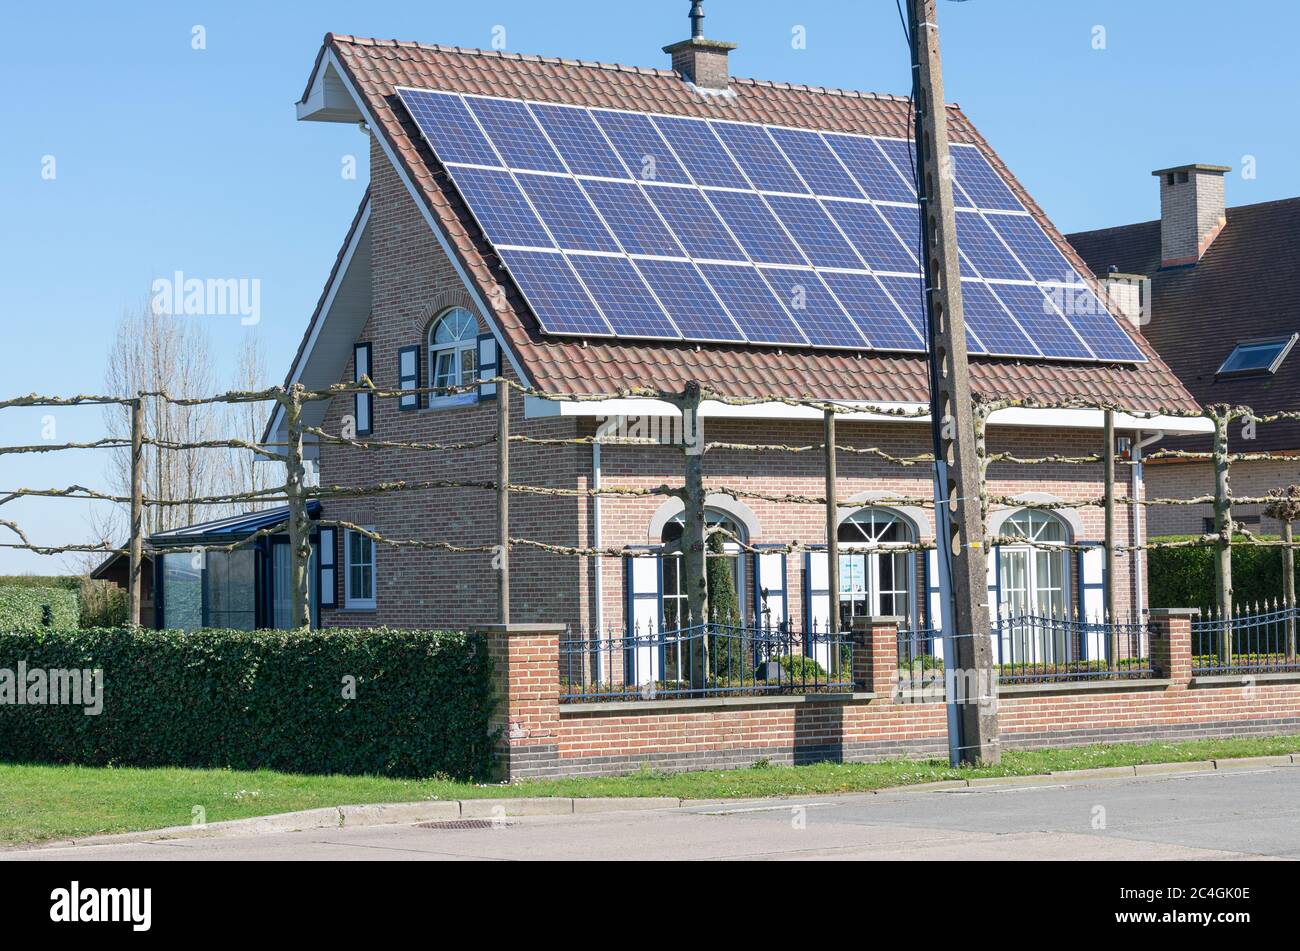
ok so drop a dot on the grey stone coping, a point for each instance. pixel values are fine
(1235, 680)
(1175, 612)
(616, 707)
(1083, 686)
(520, 629)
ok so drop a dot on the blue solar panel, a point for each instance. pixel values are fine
(755, 228)
(982, 247)
(448, 127)
(1042, 321)
(818, 314)
(814, 232)
(630, 308)
(902, 156)
(700, 152)
(500, 207)
(906, 222)
(641, 147)
(557, 298)
(907, 292)
(760, 315)
(1099, 330)
(567, 212)
(874, 239)
(695, 223)
(978, 179)
(759, 158)
(579, 141)
(515, 134)
(991, 323)
(879, 319)
(642, 201)
(1034, 249)
(814, 160)
(632, 219)
(868, 167)
(688, 300)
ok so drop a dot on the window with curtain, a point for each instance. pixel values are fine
(1034, 584)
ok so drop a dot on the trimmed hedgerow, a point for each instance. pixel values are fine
(1184, 577)
(25, 607)
(265, 699)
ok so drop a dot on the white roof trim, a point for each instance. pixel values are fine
(536, 407)
(322, 313)
(489, 315)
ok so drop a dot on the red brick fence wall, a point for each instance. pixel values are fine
(542, 737)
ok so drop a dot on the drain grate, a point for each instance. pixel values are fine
(450, 824)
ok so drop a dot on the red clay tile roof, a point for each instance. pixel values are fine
(1247, 285)
(375, 67)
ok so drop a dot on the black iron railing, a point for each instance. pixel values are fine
(1258, 639)
(704, 660)
(1047, 649)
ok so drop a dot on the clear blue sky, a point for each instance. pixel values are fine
(172, 159)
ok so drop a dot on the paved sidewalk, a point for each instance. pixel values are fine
(1246, 813)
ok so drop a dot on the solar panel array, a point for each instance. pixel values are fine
(650, 226)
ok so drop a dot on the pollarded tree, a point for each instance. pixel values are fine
(1285, 507)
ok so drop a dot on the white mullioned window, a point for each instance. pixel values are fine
(1034, 587)
(453, 354)
(359, 571)
(873, 579)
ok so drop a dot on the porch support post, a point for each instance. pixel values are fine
(299, 524)
(1288, 584)
(503, 502)
(135, 572)
(1111, 587)
(832, 527)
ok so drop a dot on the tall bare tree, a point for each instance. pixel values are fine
(159, 353)
(245, 471)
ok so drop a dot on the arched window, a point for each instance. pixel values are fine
(674, 588)
(1034, 586)
(875, 582)
(453, 350)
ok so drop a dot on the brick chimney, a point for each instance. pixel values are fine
(1191, 211)
(702, 62)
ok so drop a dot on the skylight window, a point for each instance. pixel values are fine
(1257, 357)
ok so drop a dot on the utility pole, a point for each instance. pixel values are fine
(959, 534)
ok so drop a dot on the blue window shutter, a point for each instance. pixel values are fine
(363, 403)
(489, 365)
(408, 377)
(327, 569)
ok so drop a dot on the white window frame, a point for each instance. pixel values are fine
(873, 552)
(457, 349)
(350, 602)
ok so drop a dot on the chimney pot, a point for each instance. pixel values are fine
(1192, 211)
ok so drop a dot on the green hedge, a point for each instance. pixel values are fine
(250, 700)
(25, 607)
(1184, 577)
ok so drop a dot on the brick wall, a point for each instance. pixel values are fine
(1187, 480)
(596, 739)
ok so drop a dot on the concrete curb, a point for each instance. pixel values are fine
(351, 817)
(379, 814)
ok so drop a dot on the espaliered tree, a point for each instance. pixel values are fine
(1285, 507)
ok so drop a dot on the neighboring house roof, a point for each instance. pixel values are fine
(565, 366)
(227, 530)
(1246, 286)
(105, 566)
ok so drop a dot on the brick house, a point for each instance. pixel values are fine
(1221, 289)
(418, 296)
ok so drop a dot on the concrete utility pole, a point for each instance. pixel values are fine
(959, 534)
(503, 502)
(1111, 578)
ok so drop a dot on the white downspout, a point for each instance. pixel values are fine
(1138, 491)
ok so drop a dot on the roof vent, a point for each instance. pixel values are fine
(702, 62)
(1191, 211)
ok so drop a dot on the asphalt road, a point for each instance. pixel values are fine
(1229, 814)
